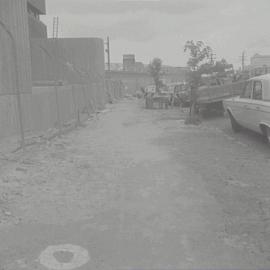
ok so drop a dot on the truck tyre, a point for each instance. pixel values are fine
(235, 126)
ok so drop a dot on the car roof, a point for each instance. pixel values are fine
(265, 77)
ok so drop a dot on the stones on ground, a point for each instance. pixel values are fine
(22, 263)
(17, 222)
(19, 169)
(28, 162)
(5, 179)
(7, 213)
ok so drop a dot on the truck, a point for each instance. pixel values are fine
(210, 97)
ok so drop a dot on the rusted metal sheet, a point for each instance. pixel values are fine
(49, 63)
(85, 53)
(14, 36)
(71, 60)
(219, 93)
(86, 57)
(37, 29)
(40, 5)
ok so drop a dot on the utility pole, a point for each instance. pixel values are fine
(55, 27)
(107, 50)
(56, 71)
(243, 60)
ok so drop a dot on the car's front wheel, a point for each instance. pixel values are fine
(235, 126)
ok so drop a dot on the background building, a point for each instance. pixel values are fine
(175, 74)
(259, 64)
(258, 61)
(135, 75)
(129, 62)
(116, 66)
(139, 67)
(132, 81)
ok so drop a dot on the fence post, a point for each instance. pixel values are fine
(17, 80)
(57, 108)
(57, 71)
(76, 111)
(19, 104)
(86, 100)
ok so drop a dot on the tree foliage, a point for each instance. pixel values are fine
(155, 69)
(221, 66)
(199, 56)
(201, 62)
(199, 53)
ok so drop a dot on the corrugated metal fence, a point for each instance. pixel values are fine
(41, 108)
(77, 63)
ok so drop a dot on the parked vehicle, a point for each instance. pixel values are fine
(163, 100)
(211, 97)
(150, 89)
(252, 108)
(180, 92)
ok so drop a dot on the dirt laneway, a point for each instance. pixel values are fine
(140, 190)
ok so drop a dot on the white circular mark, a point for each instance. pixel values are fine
(80, 257)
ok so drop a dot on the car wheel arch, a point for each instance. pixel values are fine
(235, 125)
(229, 111)
(264, 127)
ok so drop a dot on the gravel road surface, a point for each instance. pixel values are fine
(138, 189)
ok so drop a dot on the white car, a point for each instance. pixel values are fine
(252, 109)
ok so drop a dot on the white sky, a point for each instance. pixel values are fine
(160, 28)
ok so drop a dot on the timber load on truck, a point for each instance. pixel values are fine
(210, 98)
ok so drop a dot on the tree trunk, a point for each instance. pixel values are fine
(193, 117)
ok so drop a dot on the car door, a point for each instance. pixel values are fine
(261, 105)
(241, 106)
(255, 106)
